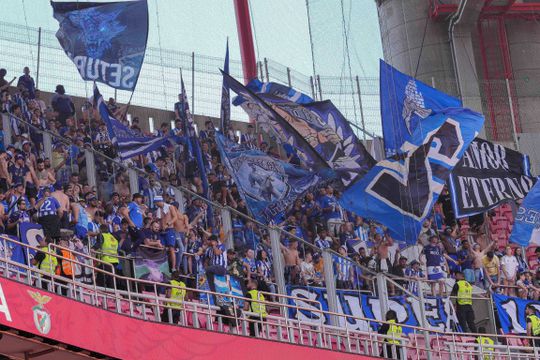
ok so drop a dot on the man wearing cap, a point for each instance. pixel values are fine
(17, 193)
(49, 214)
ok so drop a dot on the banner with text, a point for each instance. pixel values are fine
(439, 312)
(511, 311)
(488, 175)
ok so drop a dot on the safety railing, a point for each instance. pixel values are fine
(144, 299)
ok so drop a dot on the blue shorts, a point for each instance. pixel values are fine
(80, 231)
(169, 238)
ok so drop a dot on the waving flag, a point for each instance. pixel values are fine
(128, 142)
(526, 230)
(405, 101)
(105, 41)
(400, 192)
(276, 89)
(225, 113)
(268, 186)
(274, 124)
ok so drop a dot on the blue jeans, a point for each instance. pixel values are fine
(469, 275)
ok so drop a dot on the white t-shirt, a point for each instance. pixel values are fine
(510, 265)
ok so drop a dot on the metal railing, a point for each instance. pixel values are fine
(144, 299)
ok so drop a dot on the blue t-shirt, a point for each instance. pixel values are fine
(463, 255)
(434, 255)
(49, 206)
(135, 214)
(330, 201)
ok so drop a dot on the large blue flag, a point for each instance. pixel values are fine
(275, 125)
(280, 90)
(225, 113)
(399, 192)
(268, 186)
(105, 41)
(404, 102)
(327, 131)
(128, 142)
(526, 230)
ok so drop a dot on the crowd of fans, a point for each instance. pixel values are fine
(113, 220)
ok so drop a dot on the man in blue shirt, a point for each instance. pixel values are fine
(216, 257)
(26, 82)
(436, 264)
(134, 212)
(465, 259)
(331, 211)
(49, 214)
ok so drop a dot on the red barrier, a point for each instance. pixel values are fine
(70, 322)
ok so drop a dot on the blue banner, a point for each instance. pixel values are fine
(440, 313)
(511, 312)
(31, 234)
(328, 132)
(105, 41)
(400, 192)
(404, 102)
(268, 186)
(526, 230)
(225, 113)
(223, 284)
(276, 89)
(128, 142)
(273, 124)
(13, 251)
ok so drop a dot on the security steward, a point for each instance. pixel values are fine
(464, 310)
(46, 262)
(107, 247)
(486, 344)
(177, 293)
(533, 324)
(256, 305)
(66, 264)
(394, 330)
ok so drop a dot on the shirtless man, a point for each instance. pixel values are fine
(292, 262)
(477, 264)
(181, 227)
(44, 176)
(167, 219)
(65, 205)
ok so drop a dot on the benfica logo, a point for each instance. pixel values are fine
(42, 318)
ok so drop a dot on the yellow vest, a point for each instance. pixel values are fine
(256, 306)
(535, 322)
(395, 330)
(109, 247)
(49, 263)
(464, 294)
(482, 340)
(178, 293)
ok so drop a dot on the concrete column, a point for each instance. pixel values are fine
(7, 130)
(330, 282)
(279, 265)
(133, 181)
(47, 145)
(90, 168)
(227, 227)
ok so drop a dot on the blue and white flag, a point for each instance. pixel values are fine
(275, 125)
(400, 192)
(105, 41)
(128, 142)
(276, 89)
(404, 102)
(268, 186)
(526, 230)
(327, 131)
(31, 234)
(511, 312)
(225, 113)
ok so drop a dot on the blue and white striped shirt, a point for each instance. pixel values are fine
(344, 268)
(265, 266)
(217, 260)
(362, 232)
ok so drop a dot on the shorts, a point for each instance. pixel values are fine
(436, 273)
(80, 231)
(169, 238)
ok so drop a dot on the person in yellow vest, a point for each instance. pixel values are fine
(533, 324)
(107, 248)
(464, 310)
(393, 329)
(256, 305)
(486, 344)
(177, 293)
(46, 262)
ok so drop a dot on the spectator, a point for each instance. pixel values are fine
(465, 260)
(62, 104)
(4, 84)
(522, 263)
(216, 257)
(49, 214)
(509, 266)
(344, 270)
(292, 262)
(331, 211)
(436, 265)
(415, 273)
(26, 83)
(307, 270)
(492, 270)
